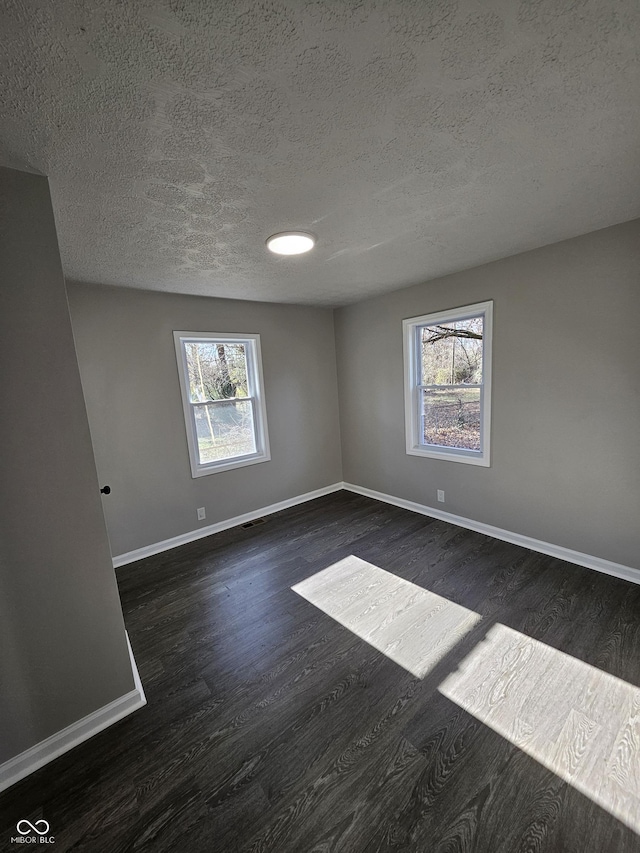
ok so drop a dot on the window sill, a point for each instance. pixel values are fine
(470, 457)
(227, 465)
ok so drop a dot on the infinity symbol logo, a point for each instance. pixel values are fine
(32, 827)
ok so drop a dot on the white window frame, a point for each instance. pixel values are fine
(412, 387)
(255, 385)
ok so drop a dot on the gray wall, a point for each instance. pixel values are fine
(566, 395)
(130, 379)
(566, 402)
(62, 636)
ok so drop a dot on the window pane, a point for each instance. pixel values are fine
(217, 371)
(224, 430)
(451, 353)
(451, 417)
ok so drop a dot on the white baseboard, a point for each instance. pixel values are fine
(45, 751)
(183, 538)
(597, 563)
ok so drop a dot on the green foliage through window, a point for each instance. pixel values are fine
(223, 400)
(217, 371)
(451, 360)
(452, 353)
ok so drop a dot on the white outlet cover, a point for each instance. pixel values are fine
(201, 513)
(440, 495)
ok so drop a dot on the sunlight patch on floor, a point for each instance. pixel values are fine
(576, 720)
(410, 625)
(573, 718)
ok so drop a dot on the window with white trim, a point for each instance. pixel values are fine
(223, 400)
(447, 366)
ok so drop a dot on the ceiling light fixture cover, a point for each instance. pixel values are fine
(291, 242)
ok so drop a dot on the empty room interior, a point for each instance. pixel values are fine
(320, 479)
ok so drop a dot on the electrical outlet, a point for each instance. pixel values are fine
(201, 513)
(441, 496)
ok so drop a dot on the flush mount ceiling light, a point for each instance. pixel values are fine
(291, 242)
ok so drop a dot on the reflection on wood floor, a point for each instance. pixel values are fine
(410, 625)
(273, 727)
(573, 718)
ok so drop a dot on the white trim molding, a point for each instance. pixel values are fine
(255, 400)
(57, 744)
(598, 564)
(217, 527)
(414, 388)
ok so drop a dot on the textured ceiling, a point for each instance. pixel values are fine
(414, 138)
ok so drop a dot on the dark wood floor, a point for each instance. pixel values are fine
(270, 727)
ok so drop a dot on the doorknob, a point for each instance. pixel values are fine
(105, 490)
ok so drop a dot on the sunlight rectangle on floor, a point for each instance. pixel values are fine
(410, 625)
(574, 719)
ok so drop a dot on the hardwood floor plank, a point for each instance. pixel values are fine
(277, 724)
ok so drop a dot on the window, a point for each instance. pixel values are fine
(447, 363)
(223, 400)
